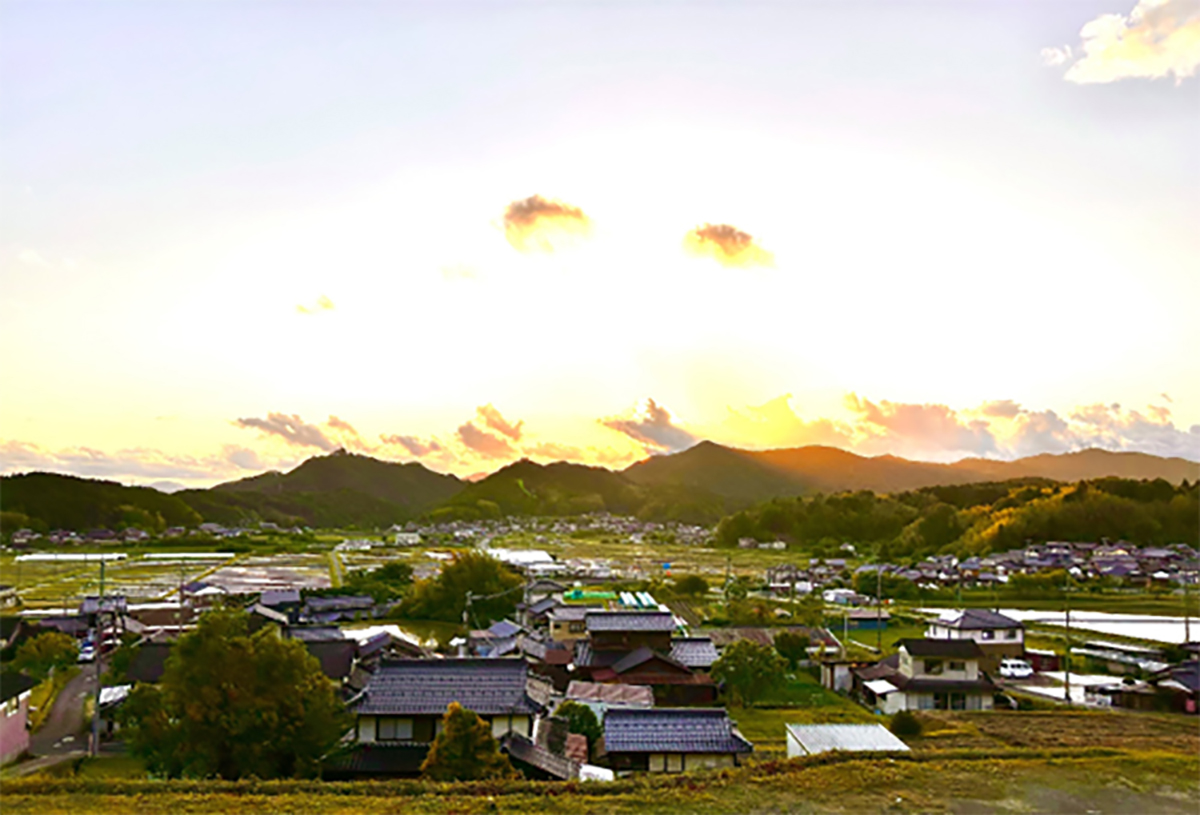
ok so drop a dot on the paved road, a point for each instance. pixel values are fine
(63, 731)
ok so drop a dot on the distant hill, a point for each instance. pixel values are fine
(757, 475)
(53, 501)
(699, 485)
(340, 489)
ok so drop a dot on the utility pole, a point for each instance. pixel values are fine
(462, 651)
(1067, 653)
(1187, 610)
(98, 643)
(878, 604)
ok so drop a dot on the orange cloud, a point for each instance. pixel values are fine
(727, 245)
(537, 224)
(492, 418)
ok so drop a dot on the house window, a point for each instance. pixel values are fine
(941, 701)
(957, 666)
(11, 707)
(934, 667)
(674, 762)
(958, 701)
(576, 628)
(1010, 634)
(393, 727)
(987, 635)
(658, 763)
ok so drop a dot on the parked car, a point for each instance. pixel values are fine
(87, 652)
(1015, 669)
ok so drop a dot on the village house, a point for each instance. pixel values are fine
(671, 740)
(999, 637)
(399, 713)
(928, 674)
(15, 690)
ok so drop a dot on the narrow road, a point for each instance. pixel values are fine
(63, 731)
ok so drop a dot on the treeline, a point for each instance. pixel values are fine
(45, 501)
(975, 519)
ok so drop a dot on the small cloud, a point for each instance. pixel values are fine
(323, 304)
(540, 224)
(32, 258)
(1001, 409)
(775, 424)
(484, 443)
(1159, 38)
(653, 429)
(345, 432)
(1167, 397)
(458, 272)
(492, 418)
(1052, 57)
(292, 429)
(415, 446)
(727, 245)
(243, 457)
(920, 427)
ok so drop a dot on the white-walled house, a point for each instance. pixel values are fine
(928, 674)
(998, 636)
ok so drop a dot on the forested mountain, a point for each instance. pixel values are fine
(340, 489)
(976, 518)
(756, 475)
(48, 501)
(699, 485)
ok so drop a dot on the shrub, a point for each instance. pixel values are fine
(906, 725)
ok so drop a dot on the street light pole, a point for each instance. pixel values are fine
(97, 644)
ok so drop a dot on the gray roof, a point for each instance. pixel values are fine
(571, 613)
(957, 649)
(819, 738)
(694, 652)
(410, 687)
(339, 603)
(977, 619)
(316, 633)
(630, 621)
(671, 730)
(276, 597)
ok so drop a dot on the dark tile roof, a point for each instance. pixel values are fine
(694, 652)
(318, 605)
(316, 633)
(630, 621)
(571, 613)
(336, 657)
(379, 760)
(504, 629)
(543, 606)
(979, 619)
(671, 730)
(639, 657)
(421, 687)
(929, 684)
(14, 684)
(960, 649)
(529, 752)
(149, 662)
(1186, 674)
(279, 597)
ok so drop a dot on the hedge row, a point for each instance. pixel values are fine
(47, 785)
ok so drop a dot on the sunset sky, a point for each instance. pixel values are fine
(234, 235)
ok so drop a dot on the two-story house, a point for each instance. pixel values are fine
(998, 636)
(399, 712)
(15, 690)
(637, 648)
(928, 674)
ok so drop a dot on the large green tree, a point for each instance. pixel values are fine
(581, 719)
(494, 588)
(234, 704)
(465, 750)
(749, 671)
(46, 652)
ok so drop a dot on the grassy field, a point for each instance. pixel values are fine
(1021, 781)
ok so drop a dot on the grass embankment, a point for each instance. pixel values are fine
(1023, 780)
(43, 695)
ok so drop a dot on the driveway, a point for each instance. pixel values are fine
(63, 731)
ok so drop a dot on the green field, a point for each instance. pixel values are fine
(1020, 781)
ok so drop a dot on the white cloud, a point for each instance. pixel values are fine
(1158, 39)
(653, 428)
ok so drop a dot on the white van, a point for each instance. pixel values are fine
(1015, 669)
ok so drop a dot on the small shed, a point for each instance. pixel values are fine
(810, 739)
